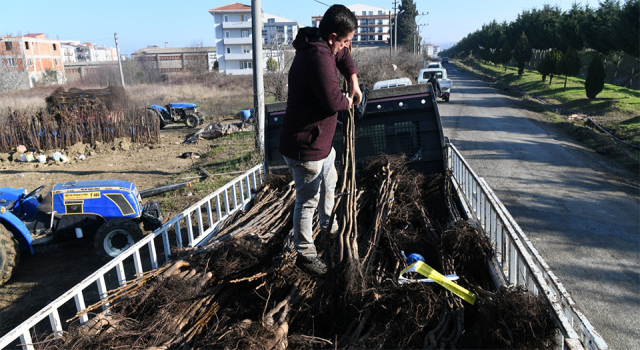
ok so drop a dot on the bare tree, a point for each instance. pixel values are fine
(280, 57)
(196, 58)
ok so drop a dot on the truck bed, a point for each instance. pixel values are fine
(413, 128)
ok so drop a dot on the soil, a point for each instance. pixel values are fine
(53, 269)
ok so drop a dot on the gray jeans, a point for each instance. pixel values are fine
(315, 183)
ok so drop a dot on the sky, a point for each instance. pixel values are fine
(181, 23)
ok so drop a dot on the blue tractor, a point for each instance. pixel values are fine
(109, 210)
(176, 112)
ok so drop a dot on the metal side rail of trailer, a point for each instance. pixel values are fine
(518, 260)
(141, 257)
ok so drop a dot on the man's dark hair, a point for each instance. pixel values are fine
(338, 19)
(433, 74)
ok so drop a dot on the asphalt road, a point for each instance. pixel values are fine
(580, 212)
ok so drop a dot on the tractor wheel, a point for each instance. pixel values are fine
(192, 120)
(201, 117)
(115, 236)
(9, 254)
(446, 99)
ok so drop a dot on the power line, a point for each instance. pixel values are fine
(320, 2)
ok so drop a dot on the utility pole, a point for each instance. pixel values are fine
(115, 35)
(395, 24)
(390, 41)
(258, 79)
(416, 37)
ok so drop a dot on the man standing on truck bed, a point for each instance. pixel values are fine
(310, 121)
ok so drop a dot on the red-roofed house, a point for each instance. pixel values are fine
(33, 59)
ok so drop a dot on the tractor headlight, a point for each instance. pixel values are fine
(3, 210)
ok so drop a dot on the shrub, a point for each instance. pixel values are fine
(522, 52)
(595, 77)
(549, 65)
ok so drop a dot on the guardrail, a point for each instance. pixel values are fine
(200, 221)
(518, 259)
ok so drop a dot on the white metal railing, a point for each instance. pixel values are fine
(518, 259)
(200, 220)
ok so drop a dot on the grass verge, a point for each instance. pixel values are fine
(227, 156)
(616, 109)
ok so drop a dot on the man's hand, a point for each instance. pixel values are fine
(350, 101)
(354, 89)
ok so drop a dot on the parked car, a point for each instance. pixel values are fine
(392, 83)
(445, 59)
(434, 65)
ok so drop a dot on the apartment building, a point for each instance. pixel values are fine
(176, 59)
(432, 50)
(233, 34)
(374, 24)
(278, 31)
(33, 58)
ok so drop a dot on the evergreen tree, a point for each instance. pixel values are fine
(569, 28)
(570, 64)
(549, 65)
(272, 65)
(594, 83)
(505, 55)
(628, 29)
(407, 23)
(522, 52)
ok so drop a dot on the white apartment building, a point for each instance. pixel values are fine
(70, 51)
(432, 50)
(94, 53)
(278, 31)
(233, 33)
(373, 24)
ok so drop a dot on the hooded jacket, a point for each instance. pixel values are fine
(314, 97)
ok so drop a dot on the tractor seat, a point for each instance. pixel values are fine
(46, 205)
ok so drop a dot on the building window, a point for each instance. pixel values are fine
(364, 13)
(11, 62)
(379, 12)
(8, 45)
(55, 48)
(57, 61)
(244, 18)
(30, 62)
(370, 13)
(246, 65)
(26, 45)
(227, 34)
(226, 18)
(379, 37)
(271, 20)
(228, 50)
(245, 33)
(246, 49)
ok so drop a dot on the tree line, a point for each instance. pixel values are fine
(550, 39)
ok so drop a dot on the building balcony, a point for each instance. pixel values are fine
(237, 41)
(237, 25)
(238, 56)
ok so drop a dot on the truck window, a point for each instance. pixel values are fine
(427, 75)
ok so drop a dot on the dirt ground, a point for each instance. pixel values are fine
(53, 269)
